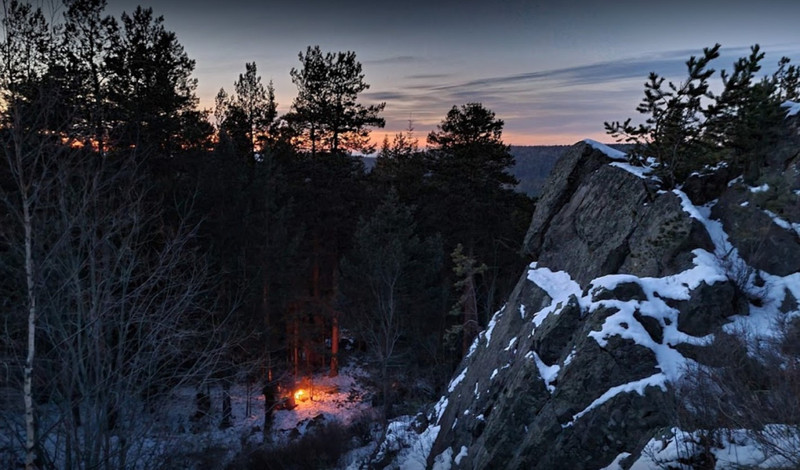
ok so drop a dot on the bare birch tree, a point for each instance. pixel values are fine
(116, 296)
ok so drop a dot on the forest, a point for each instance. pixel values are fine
(148, 245)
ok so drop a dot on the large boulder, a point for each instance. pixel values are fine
(595, 219)
(576, 367)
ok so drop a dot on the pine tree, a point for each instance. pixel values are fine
(326, 114)
(88, 33)
(470, 199)
(466, 269)
(150, 86)
(746, 119)
(787, 78)
(384, 282)
(671, 133)
(256, 103)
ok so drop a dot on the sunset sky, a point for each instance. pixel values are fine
(553, 71)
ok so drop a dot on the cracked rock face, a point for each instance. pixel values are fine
(577, 367)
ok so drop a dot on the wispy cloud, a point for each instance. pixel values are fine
(400, 59)
(570, 100)
(384, 95)
(667, 64)
(428, 76)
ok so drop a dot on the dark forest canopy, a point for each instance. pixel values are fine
(145, 238)
(146, 244)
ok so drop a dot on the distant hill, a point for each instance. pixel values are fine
(534, 162)
(533, 165)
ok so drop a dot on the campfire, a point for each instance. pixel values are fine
(300, 395)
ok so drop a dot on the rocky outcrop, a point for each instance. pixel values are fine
(595, 219)
(766, 240)
(628, 286)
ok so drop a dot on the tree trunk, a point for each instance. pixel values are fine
(334, 344)
(30, 430)
(270, 402)
(470, 329)
(227, 409)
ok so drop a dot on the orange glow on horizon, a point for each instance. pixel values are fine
(509, 138)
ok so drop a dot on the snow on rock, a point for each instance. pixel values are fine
(783, 223)
(411, 449)
(762, 322)
(511, 344)
(548, 373)
(759, 189)
(444, 460)
(623, 323)
(438, 409)
(569, 358)
(492, 324)
(609, 151)
(646, 314)
(622, 160)
(558, 285)
(640, 171)
(617, 463)
(792, 108)
(737, 449)
(638, 386)
(454, 383)
(461, 454)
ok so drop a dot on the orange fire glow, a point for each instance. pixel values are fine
(298, 394)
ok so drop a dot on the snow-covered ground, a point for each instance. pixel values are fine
(186, 442)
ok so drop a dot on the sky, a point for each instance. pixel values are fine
(553, 71)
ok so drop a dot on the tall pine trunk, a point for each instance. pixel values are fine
(334, 344)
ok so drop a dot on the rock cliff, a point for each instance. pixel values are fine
(628, 286)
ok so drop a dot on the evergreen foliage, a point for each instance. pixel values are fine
(256, 103)
(270, 224)
(386, 279)
(688, 127)
(672, 129)
(326, 115)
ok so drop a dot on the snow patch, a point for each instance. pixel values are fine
(411, 449)
(783, 223)
(759, 189)
(492, 324)
(640, 171)
(608, 151)
(792, 108)
(454, 383)
(558, 285)
(569, 358)
(438, 409)
(443, 460)
(638, 386)
(617, 463)
(738, 449)
(511, 344)
(548, 373)
(461, 454)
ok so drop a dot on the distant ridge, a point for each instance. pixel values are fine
(533, 164)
